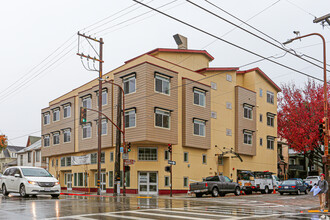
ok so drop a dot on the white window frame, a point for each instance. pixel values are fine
(128, 80)
(185, 181)
(47, 137)
(163, 79)
(201, 98)
(168, 181)
(260, 92)
(163, 113)
(66, 109)
(214, 85)
(249, 110)
(204, 156)
(151, 148)
(112, 156)
(130, 113)
(104, 126)
(56, 134)
(166, 155)
(184, 157)
(270, 143)
(65, 133)
(199, 123)
(229, 132)
(104, 97)
(249, 138)
(47, 117)
(229, 78)
(56, 115)
(214, 114)
(87, 125)
(88, 101)
(270, 97)
(63, 159)
(229, 105)
(270, 120)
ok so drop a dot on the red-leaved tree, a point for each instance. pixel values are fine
(299, 113)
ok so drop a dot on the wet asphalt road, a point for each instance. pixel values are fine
(139, 207)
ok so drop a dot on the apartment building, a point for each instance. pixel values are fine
(172, 96)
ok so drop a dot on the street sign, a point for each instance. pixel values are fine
(171, 162)
(125, 156)
(129, 162)
(121, 150)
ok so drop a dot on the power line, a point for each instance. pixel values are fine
(261, 38)
(228, 42)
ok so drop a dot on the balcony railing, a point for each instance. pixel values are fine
(296, 167)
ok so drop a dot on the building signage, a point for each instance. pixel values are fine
(80, 160)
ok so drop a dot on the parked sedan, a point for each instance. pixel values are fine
(29, 181)
(292, 186)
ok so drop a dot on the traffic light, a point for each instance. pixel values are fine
(170, 148)
(168, 169)
(322, 130)
(129, 147)
(83, 115)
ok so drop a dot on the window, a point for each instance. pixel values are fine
(147, 154)
(56, 138)
(130, 116)
(228, 105)
(167, 155)
(46, 118)
(247, 111)
(87, 102)
(199, 97)
(185, 181)
(213, 85)
(292, 161)
(204, 159)
(270, 120)
(247, 138)
(110, 178)
(21, 160)
(129, 85)
(67, 111)
(104, 97)
(102, 157)
(270, 97)
(127, 179)
(260, 117)
(213, 115)
(167, 181)
(270, 143)
(111, 156)
(228, 132)
(87, 130)
(260, 92)
(260, 141)
(46, 141)
(80, 179)
(104, 129)
(199, 127)
(229, 77)
(185, 157)
(67, 135)
(62, 161)
(93, 158)
(52, 162)
(162, 84)
(38, 154)
(57, 162)
(56, 115)
(162, 118)
(68, 161)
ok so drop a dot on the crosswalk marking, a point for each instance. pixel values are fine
(168, 216)
(126, 217)
(194, 213)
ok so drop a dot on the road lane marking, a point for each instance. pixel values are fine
(168, 216)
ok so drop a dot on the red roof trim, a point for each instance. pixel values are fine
(174, 50)
(196, 82)
(262, 74)
(217, 69)
(144, 63)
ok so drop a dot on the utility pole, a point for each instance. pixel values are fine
(118, 143)
(323, 19)
(100, 70)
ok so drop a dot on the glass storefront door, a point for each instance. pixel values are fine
(148, 183)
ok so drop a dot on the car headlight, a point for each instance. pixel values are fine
(57, 183)
(33, 183)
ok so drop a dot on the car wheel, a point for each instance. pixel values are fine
(55, 195)
(215, 192)
(22, 191)
(237, 191)
(306, 191)
(4, 190)
(198, 195)
(298, 192)
(266, 190)
(281, 194)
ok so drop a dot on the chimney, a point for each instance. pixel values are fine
(181, 41)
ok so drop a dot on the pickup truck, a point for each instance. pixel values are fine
(215, 185)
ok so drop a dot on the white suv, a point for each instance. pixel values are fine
(29, 181)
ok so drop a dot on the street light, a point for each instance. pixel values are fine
(325, 156)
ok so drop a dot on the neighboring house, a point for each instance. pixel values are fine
(8, 156)
(282, 159)
(172, 96)
(31, 156)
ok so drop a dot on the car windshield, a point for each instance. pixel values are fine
(289, 182)
(311, 177)
(35, 172)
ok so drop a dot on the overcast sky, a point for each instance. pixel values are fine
(32, 74)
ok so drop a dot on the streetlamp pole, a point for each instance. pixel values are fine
(326, 135)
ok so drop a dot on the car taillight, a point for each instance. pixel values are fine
(311, 182)
(279, 186)
(206, 185)
(253, 187)
(293, 186)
